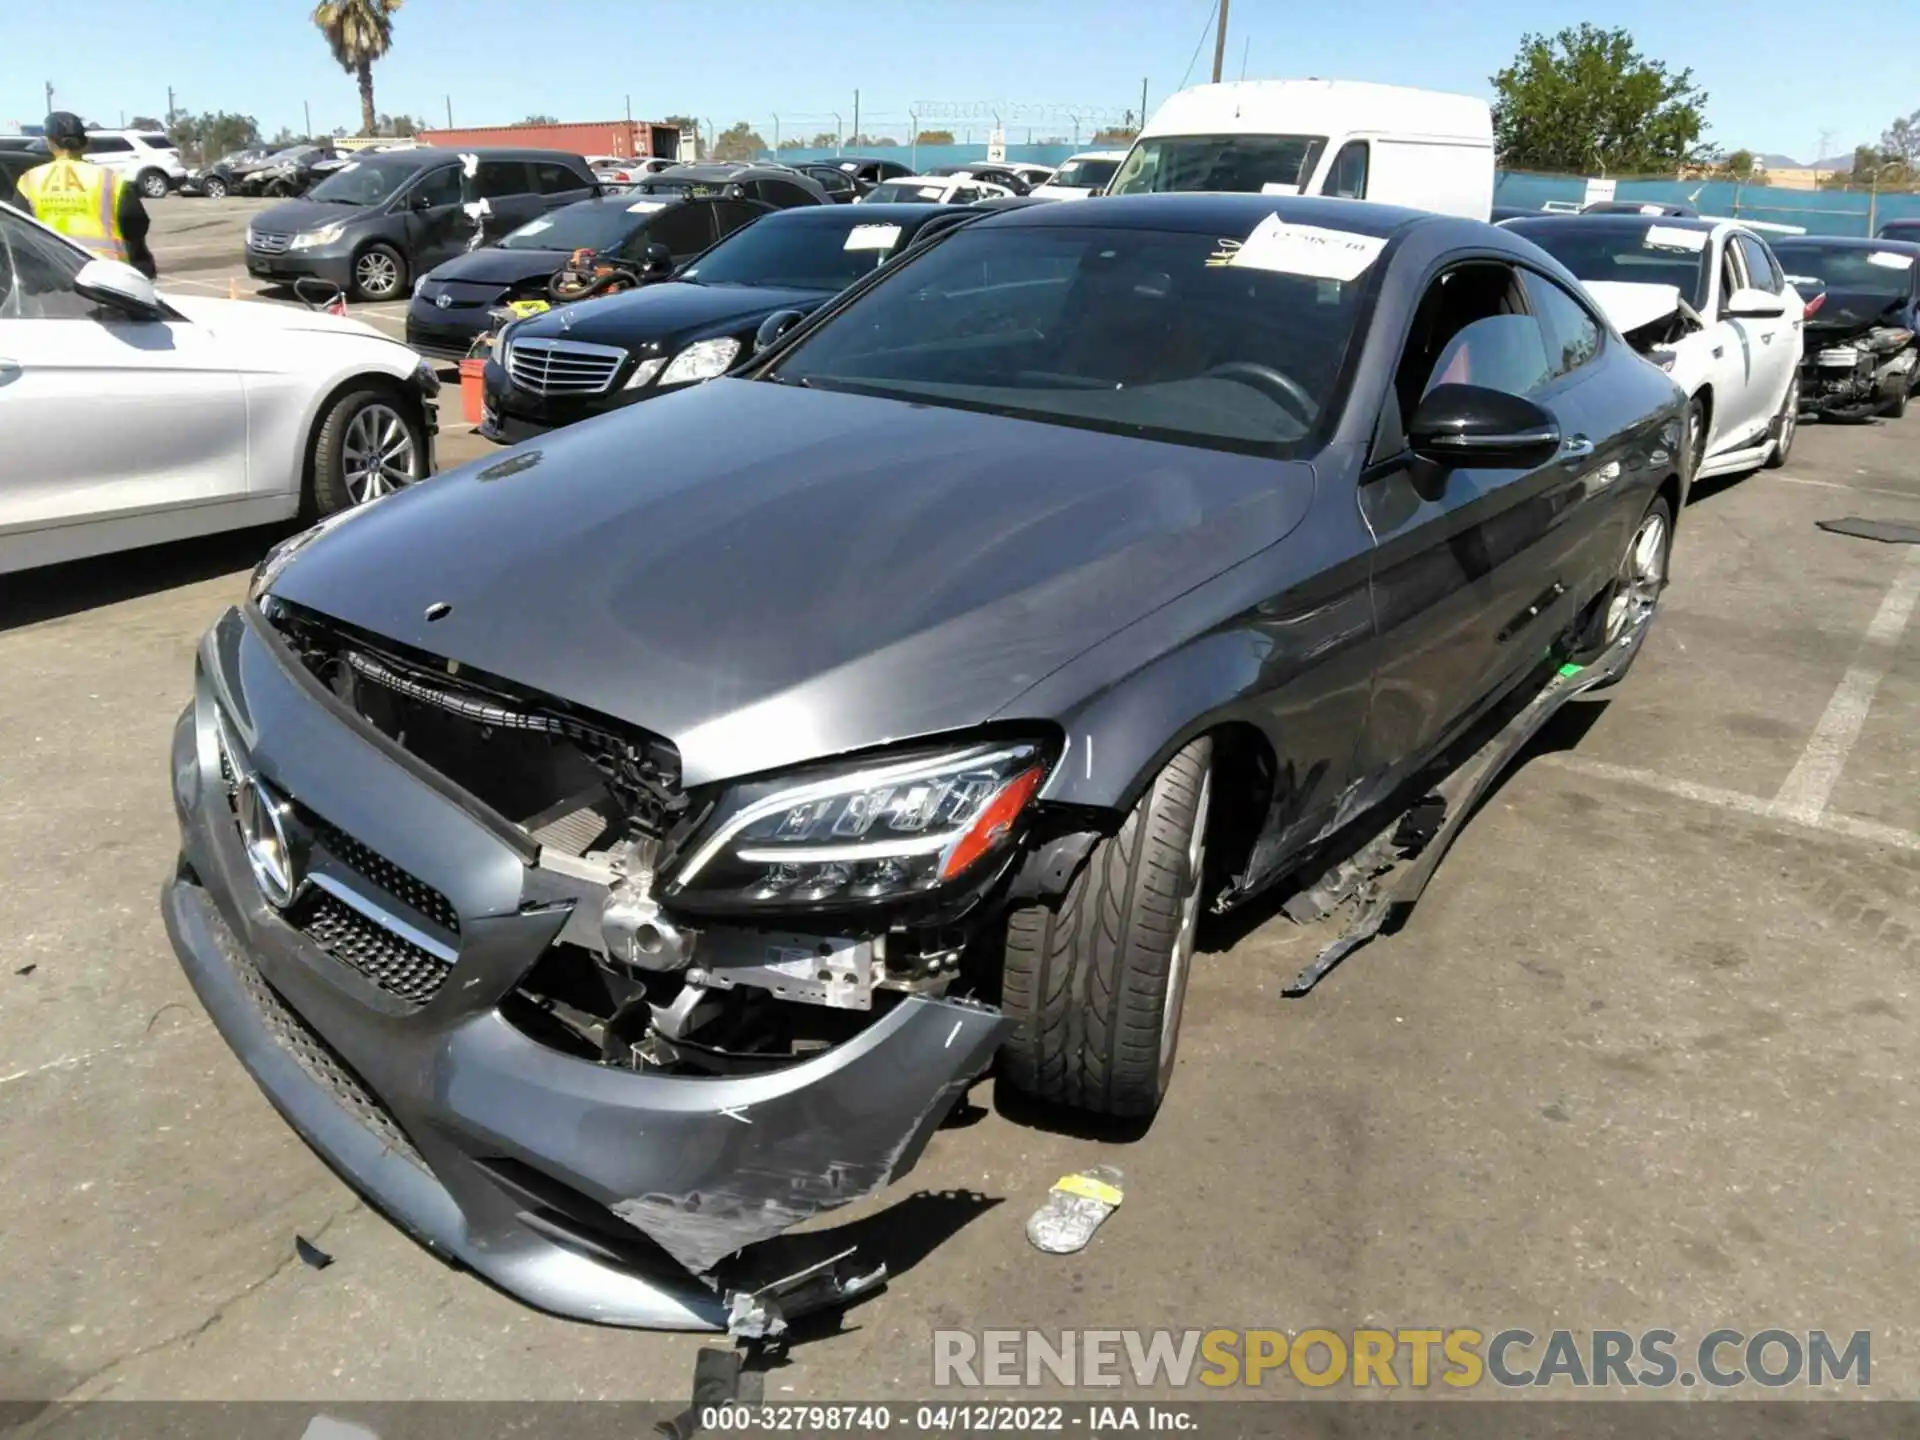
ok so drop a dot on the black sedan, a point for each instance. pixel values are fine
(1862, 330)
(452, 304)
(614, 853)
(564, 366)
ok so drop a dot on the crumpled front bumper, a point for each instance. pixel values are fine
(583, 1189)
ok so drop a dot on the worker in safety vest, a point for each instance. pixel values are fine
(90, 205)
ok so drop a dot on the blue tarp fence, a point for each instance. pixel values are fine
(1819, 212)
(925, 157)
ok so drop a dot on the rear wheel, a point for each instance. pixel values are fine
(153, 184)
(370, 443)
(214, 188)
(1895, 405)
(379, 273)
(1097, 989)
(1785, 426)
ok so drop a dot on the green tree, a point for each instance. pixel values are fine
(825, 140)
(1587, 101)
(1115, 135)
(203, 138)
(1901, 141)
(541, 120)
(1740, 164)
(934, 137)
(793, 142)
(144, 122)
(739, 141)
(358, 32)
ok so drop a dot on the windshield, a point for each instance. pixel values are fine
(1250, 164)
(1882, 274)
(898, 192)
(1136, 332)
(1085, 174)
(364, 182)
(593, 226)
(698, 189)
(803, 255)
(1652, 254)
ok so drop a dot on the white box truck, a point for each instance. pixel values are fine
(1422, 148)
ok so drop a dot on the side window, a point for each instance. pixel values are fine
(1472, 328)
(1347, 176)
(964, 195)
(1762, 273)
(779, 192)
(552, 178)
(732, 214)
(500, 179)
(36, 276)
(685, 230)
(441, 187)
(107, 145)
(1572, 335)
(1731, 276)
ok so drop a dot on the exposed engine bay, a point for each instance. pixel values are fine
(626, 982)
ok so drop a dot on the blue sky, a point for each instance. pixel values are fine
(730, 60)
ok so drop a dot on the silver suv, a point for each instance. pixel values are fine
(147, 158)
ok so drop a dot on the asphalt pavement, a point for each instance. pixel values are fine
(1642, 1057)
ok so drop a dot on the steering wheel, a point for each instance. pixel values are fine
(1269, 382)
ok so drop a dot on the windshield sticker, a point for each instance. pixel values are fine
(1672, 237)
(1651, 210)
(1890, 260)
(534, 227)
(932, 192)
(646, 207)
(1308, 250)
(872, 237)
(1276, 187)
(1804, 280)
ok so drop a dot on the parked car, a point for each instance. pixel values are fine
(1899, 230)
(934, 190)
(222, 413)
(929, 662)
(374, 224)
(839, 185)
(1863, 312)
(612, 170)
(1707, 302)
(227, 175)
(1005, 176)
(1082, 175)
(147, 159)
(452, 305)
(1649, 208)
(555, 369)
(867, 173)
(1034, 174)
(1513, 212)
(1362, 141)
(775, 185)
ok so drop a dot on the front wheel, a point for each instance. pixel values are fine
(379, 273)
(1096, 990)
(1895, 404)
(154, 184)
(1625, 612)
(1695, 445)
(1785, 426)
(370, 443)
(214, 188)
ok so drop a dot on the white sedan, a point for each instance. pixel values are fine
(132, 417)
(1706, 301)
(934, 190)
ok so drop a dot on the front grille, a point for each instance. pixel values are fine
(263, 243)
(410, 890)
(563, 367)
(397, 966)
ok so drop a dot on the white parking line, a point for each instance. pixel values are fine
(1805, 793)
(1912, 496)
(1732, 800)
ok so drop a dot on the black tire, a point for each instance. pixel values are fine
(1895, 405)
(1695, 438)
(1096, 989)
(214, 188)
(1786, 425)
(330, 485)
(379, 273)
(1600, 633)
(154, 184)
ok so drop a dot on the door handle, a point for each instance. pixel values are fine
(1576, 447)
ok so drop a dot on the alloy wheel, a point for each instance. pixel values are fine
(1180, 961)
(1789, 419)
(379, 455)
(1643, 571)
(376, 274)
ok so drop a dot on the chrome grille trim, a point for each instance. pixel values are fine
(266, 243)
(563, 367)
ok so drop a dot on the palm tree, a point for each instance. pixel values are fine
(359, 32)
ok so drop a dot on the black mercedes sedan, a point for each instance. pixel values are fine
(453, 304)
(567, 365)
(613, 853)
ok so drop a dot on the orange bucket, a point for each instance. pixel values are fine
(473, 388)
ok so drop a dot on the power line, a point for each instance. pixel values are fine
(1212, 11)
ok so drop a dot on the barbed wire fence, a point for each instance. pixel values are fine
(969, 122)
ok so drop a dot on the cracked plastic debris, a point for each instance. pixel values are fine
(763, 1313)
(1074, 1209)
(310, 1253)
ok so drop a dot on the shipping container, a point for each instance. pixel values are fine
(629, 139)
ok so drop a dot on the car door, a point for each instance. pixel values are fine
(1779, 354)
(102, 415)
(437, 226)
(1734, 356)
(112, 152)
(1467, 560)
(685, 229)
(507, 187)
(556, 184)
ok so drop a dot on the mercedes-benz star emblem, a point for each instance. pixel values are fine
(264, 830)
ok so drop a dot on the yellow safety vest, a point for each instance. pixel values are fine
(79, 200)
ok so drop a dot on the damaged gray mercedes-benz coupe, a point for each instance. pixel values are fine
(616, 853)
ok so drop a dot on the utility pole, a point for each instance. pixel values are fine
(49, 97)
(449, 100)
(1143, 102)
(856, 117)
(630, 145)
(839, 134)
(776, 134)
(169, 105)
(306, 109)
(913, 142)
(1245, 46)
(1220, 43)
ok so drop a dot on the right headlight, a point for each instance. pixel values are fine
(701, 360)
(881, 832)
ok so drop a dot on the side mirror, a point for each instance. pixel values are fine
(108, 282)
(1751, 304)
(656, 259)
(1463, 426)
(774, 327)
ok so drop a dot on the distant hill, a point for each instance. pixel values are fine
(1779, 162)
(1842, 163)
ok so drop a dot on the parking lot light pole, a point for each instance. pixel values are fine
(1220, 43)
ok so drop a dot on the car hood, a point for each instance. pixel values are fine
(290, 217)
(765, 575)
(665, 311)
(1846, 311)
(255, 316)
(499, 267)
(1630, 306)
